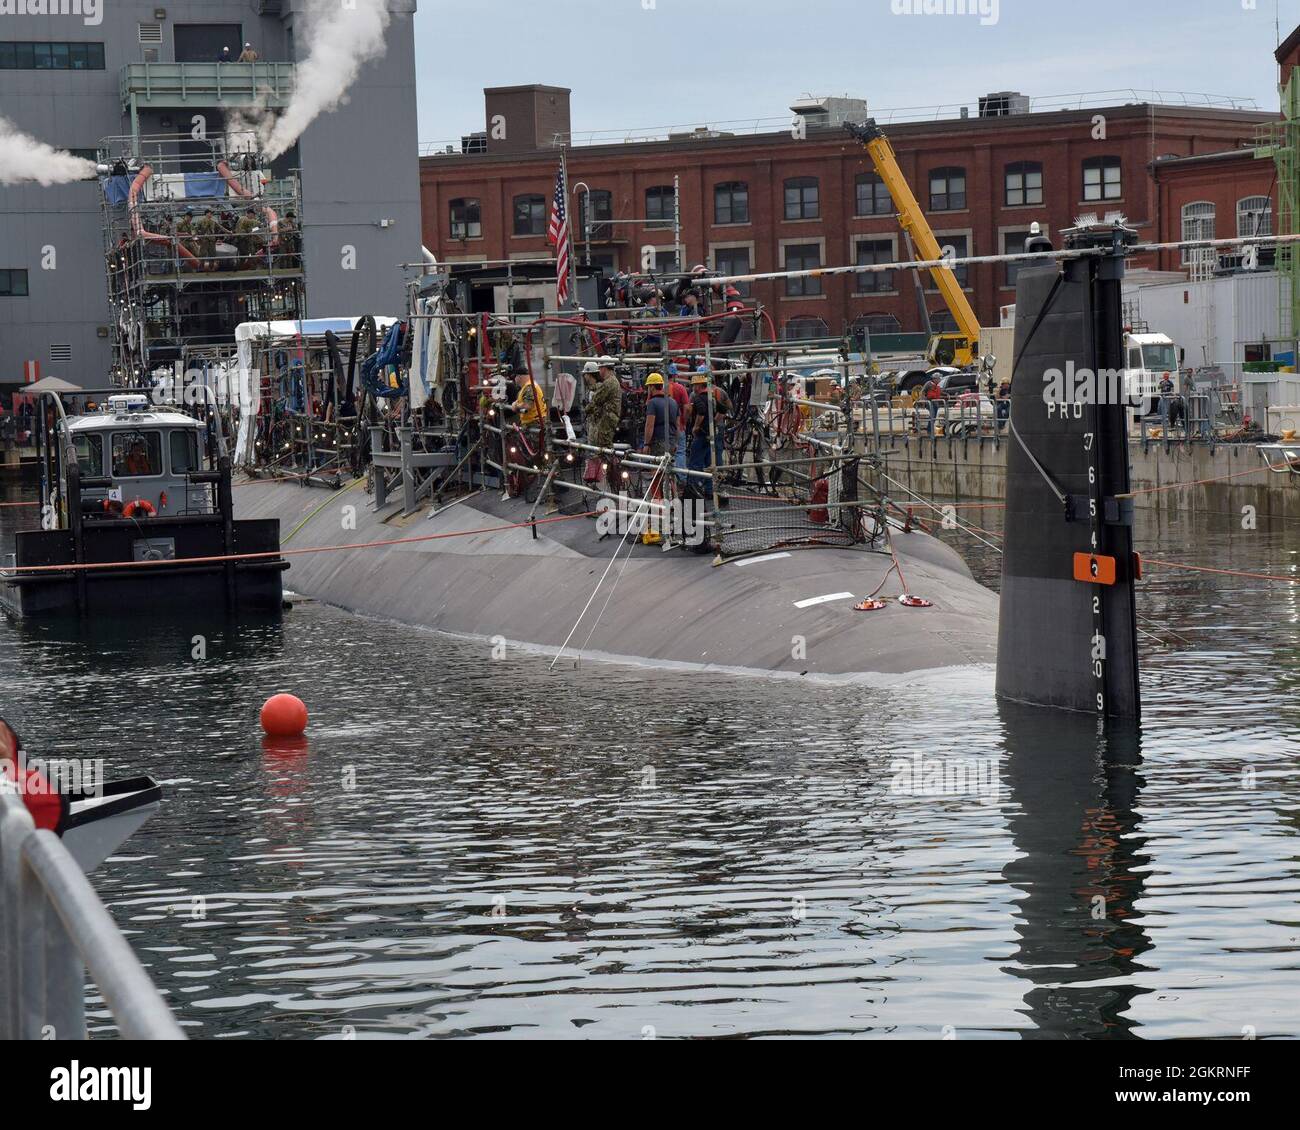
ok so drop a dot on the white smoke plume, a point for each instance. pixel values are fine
(244, 129)
(342, 37)
(23, 159)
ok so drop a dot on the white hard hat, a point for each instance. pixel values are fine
(607, 362)
(591, 367)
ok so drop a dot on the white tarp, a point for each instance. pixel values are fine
(249, 386)
(426, 353)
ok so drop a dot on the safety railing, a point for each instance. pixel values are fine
(163, 85)
(53, 928)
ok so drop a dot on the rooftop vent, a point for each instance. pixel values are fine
(699, 133)
(830, 112)
(60, 354)
(1003, 104)
(151, 33)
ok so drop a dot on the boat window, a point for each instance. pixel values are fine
(137, 454)
(90, 453)
(185, 452)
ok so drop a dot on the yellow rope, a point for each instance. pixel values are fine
(332, 497)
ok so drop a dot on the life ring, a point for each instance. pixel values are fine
(139, 506)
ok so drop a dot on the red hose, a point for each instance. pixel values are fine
(273, 221)
(137, 225)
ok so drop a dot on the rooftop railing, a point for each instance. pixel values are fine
(947, 111)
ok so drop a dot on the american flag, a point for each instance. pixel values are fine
(558, 236)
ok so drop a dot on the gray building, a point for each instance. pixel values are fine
(129, 68)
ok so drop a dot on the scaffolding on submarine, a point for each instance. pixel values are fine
(425, 408)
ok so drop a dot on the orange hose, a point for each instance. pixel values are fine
(295, 552)
(1222, 572)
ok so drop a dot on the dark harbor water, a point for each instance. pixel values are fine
(470, 846)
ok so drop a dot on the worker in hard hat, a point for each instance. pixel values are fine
(699, 424)
(530, 404)
(661, 424)
(603, 414)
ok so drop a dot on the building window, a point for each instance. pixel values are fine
(1198, 223)
(466, 219)
(731, 202)
(1024, 183)
(530, 215)
(601, 203)
(606, 261)
(942, 322)
(874, 251)
(947, 190)
(1013, 243)
(877, 325)
(872, 197)
(953, 247)
(802, 199)
(1254, 216)
(666, 261)
(733, 261)
(51, 56)
(660, 206)
(13, 284)
(1102, 179)
(803, 257)
(805, 329)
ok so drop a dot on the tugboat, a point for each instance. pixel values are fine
(145, 488)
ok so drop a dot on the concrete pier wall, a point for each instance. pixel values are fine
(961, 468)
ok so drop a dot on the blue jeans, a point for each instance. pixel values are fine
(700, 452)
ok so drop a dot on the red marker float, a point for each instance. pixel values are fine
(284, 716)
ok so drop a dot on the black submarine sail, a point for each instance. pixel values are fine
(1067, 629)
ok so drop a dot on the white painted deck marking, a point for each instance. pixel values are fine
(759, 560)
(823, 599)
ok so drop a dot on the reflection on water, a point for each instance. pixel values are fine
(1074, 789)
(463, 846)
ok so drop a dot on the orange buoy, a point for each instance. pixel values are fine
(284, 716)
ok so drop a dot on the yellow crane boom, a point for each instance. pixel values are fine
(962, 347)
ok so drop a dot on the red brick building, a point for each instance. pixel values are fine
(770, 201)
(1212, 196)
(1209, 195)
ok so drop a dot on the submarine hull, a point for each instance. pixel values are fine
(776, 613)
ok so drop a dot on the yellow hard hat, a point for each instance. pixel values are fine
(654, 379)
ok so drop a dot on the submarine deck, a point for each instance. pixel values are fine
(784, 612)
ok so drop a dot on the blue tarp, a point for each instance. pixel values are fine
(199, 186)
(116, 189)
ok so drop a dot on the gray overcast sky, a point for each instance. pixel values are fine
(636, 64)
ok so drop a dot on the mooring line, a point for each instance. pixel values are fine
(272, 553)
